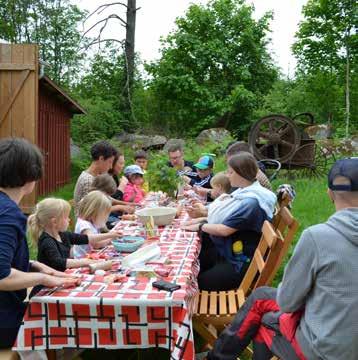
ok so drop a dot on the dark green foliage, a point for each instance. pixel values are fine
(214, 68)
(161, 177)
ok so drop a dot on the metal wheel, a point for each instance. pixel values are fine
(274, 137)
(314, 166)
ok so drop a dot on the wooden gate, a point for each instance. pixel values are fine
(19, 97)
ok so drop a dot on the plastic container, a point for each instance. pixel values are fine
(128, 243)
(161, 215)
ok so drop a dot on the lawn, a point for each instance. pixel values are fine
(311, 206)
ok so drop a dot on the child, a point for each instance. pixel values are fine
(108, 186)
(133, 191)
(220, 184)
(141, 159)
(47, 227)
(201, 184)
(93, 212)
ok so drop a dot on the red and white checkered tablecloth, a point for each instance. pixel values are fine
(129, 314)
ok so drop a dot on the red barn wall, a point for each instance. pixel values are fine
(54, 140)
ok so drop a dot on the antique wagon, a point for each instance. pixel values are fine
(280, 138)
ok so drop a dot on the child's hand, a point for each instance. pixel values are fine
(115, 233)
(200, 190)
(87, 261)
(129, 209)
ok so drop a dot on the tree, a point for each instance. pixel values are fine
(50, 23)
(129, 43)
(214, 68)
(328, 42)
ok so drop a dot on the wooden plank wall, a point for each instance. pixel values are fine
(21, 120)
(54, 140)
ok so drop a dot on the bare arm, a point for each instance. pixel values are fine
(76, 263)
(101, 240)
(213, 229)
(18, 280)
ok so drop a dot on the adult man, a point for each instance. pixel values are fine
(313, 314)
(176, 160)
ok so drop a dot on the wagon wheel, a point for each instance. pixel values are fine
(314, 166)
(274, 137)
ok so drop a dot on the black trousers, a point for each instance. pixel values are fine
(8, 335)
(216, 273)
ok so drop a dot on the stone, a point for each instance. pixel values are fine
(171, 142)
(213, 135)
(140, 141)
(319, 132)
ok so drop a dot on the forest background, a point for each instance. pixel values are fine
(214, 70)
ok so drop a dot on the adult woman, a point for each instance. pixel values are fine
(238, 220)
(20, 168)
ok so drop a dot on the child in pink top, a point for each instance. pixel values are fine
(133, 191)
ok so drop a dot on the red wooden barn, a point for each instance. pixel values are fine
(34, 107)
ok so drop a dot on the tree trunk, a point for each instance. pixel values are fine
(347, 89)
(129, 47)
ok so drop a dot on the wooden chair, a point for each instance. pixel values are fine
(214, 310)
(8, 354)
(287, 226)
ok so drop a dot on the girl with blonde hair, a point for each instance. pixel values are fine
(47, 228)
(93, 212)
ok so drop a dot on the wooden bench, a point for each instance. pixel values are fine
(214, 310)
(8, 354)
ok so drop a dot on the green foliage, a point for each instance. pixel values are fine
(53, 25)
(328, 29)
(214, 68)
(102, 93)
(290, 97)
(161, 177)
(326, 50)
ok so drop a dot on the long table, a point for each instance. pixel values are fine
(129, 314)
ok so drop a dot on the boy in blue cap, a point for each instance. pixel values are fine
(201, 183)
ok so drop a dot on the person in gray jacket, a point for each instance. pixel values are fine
(313, 315)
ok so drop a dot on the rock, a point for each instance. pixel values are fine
(75, 150)
(171, 142)
(349, 147)
(215, 135)
(319, 132)
(139, 141)
(156, 142)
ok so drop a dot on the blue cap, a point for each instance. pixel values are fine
(133, 169)
(347, 168)
(205, 162)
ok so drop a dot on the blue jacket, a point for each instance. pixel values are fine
(14, 253)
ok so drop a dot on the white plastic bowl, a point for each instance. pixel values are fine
(161, 215)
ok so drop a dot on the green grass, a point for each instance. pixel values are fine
(310, 207)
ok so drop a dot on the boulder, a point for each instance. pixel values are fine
(214, 135)
(75, 149)
(171, 142)
(139, 141)
(319, 132)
